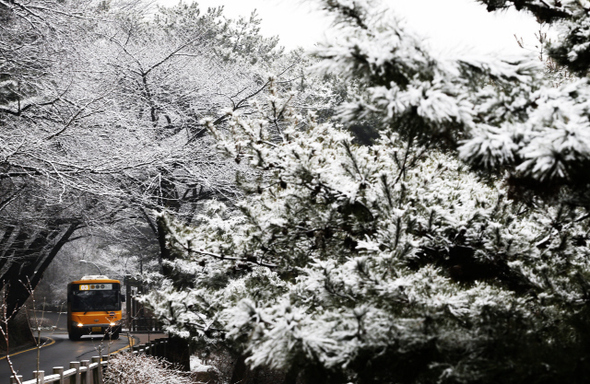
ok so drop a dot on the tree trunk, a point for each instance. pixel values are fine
(25, 266)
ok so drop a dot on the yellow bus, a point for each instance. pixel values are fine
(94, 307)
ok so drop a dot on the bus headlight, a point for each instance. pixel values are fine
(80, 325)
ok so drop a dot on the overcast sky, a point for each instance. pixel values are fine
(461, 25)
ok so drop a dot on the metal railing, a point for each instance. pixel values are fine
(89, 371)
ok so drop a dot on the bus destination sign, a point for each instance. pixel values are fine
(96, 287)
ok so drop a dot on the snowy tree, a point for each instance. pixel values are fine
(570, 18)
(396, 262)
(157, 98)
(546, 147)
(33, 229)
(110, 133)
(347, 263)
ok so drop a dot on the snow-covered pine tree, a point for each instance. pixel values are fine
(550, 143)
(569, 17)
(394, 263)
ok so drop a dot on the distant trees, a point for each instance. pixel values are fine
(454, 248)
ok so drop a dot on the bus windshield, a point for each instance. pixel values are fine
(95, 300)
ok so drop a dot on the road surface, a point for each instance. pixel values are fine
(58, 350)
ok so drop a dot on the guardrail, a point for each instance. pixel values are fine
(89, 371)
